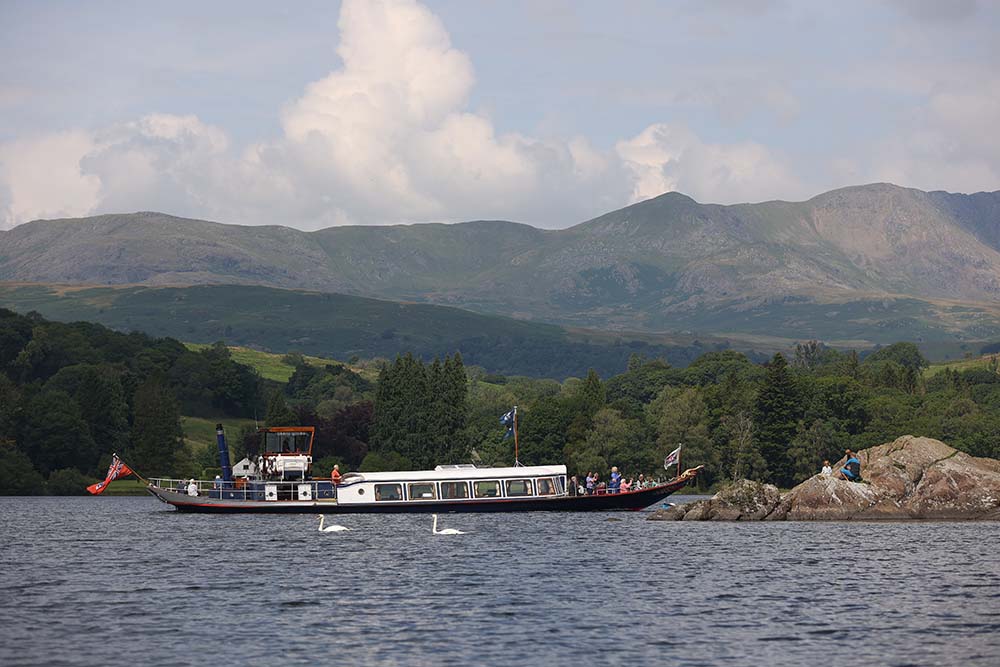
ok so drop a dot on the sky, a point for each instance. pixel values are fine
(548, 112)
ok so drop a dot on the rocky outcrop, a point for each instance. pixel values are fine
(743, 501)
(909, 478)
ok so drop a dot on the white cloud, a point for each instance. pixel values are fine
(669, 157)
(386, 137)
(949, 143)
(41, 178)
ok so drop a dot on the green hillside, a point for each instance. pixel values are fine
(341, 327)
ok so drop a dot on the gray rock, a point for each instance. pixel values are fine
(909, 478)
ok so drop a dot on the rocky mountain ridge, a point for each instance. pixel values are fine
(880, 256)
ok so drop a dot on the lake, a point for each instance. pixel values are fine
(128, 580)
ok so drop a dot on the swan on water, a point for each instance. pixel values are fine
(446, 531)
(330, 529)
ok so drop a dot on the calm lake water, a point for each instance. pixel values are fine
(89, 581)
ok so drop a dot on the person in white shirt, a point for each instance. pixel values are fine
(192, 488)
(827, 470)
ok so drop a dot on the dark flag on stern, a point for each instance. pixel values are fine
(115, 470)
(508, 421)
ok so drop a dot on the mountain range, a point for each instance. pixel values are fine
(864, 264)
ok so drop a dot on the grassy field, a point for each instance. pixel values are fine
(126, 487)
(961, 365)
(200, 432)
(270, 365)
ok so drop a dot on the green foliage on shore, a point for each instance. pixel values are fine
(72, 394)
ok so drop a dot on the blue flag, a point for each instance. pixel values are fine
(508, 419)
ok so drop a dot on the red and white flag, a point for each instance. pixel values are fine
(115, 470)
(672, 458)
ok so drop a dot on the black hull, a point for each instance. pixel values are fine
(633, 501)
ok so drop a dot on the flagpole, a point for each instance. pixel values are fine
(517, 461)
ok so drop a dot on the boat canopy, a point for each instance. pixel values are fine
(454, 473)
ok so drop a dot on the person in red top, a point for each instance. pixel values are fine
(335, 475)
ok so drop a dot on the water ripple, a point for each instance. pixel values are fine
(87, 579)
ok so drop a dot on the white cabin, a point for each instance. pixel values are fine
(452, 484)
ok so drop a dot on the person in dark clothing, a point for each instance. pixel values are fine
(852, 468)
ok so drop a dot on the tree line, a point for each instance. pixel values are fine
(71, 394)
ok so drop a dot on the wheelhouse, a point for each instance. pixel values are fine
(286, 452)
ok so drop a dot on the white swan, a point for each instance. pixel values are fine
(446, 531)
(330, 529)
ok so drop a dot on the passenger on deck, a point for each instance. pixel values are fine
(590, 483)
(284, 446)
(852, 469)
(640, 483)
(616, 480)
(335, 475)
(626, 486)
(192, 488)
(217, 483)
(572, 485)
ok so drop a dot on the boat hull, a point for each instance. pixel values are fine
(608, 502)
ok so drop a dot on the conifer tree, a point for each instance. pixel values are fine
(776, 416)
(278, 413)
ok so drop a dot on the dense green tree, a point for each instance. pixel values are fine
(714, 367)
(99, 393)
(777, 413)
(811, 446)
(68, 482)
(18, 476)
(906, 355)
(681, 418)
(613, 441)
(543, 432)
(278, 412)
(15, 332)
(55, 435)
(642, 382)
(157, 437)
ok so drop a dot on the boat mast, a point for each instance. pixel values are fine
(517, 462)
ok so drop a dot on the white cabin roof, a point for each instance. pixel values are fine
(453, 473)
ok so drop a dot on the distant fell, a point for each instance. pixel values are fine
(874, 262)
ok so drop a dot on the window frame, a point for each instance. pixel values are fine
(463, 484)
(378, 492)
(496, 482)
(525, 480)
(552, 485)
(409, 491)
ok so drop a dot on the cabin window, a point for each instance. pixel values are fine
(454, 490)
(388, 492)
(519, 487)
(421, 491)
(546, 486)
(487, 489)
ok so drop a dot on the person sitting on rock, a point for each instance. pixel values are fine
(827, 470)
(852, 469)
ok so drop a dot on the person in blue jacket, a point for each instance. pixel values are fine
(852, 469)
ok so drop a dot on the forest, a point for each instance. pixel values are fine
(73, 394)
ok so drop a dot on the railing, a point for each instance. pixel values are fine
(240, 489)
